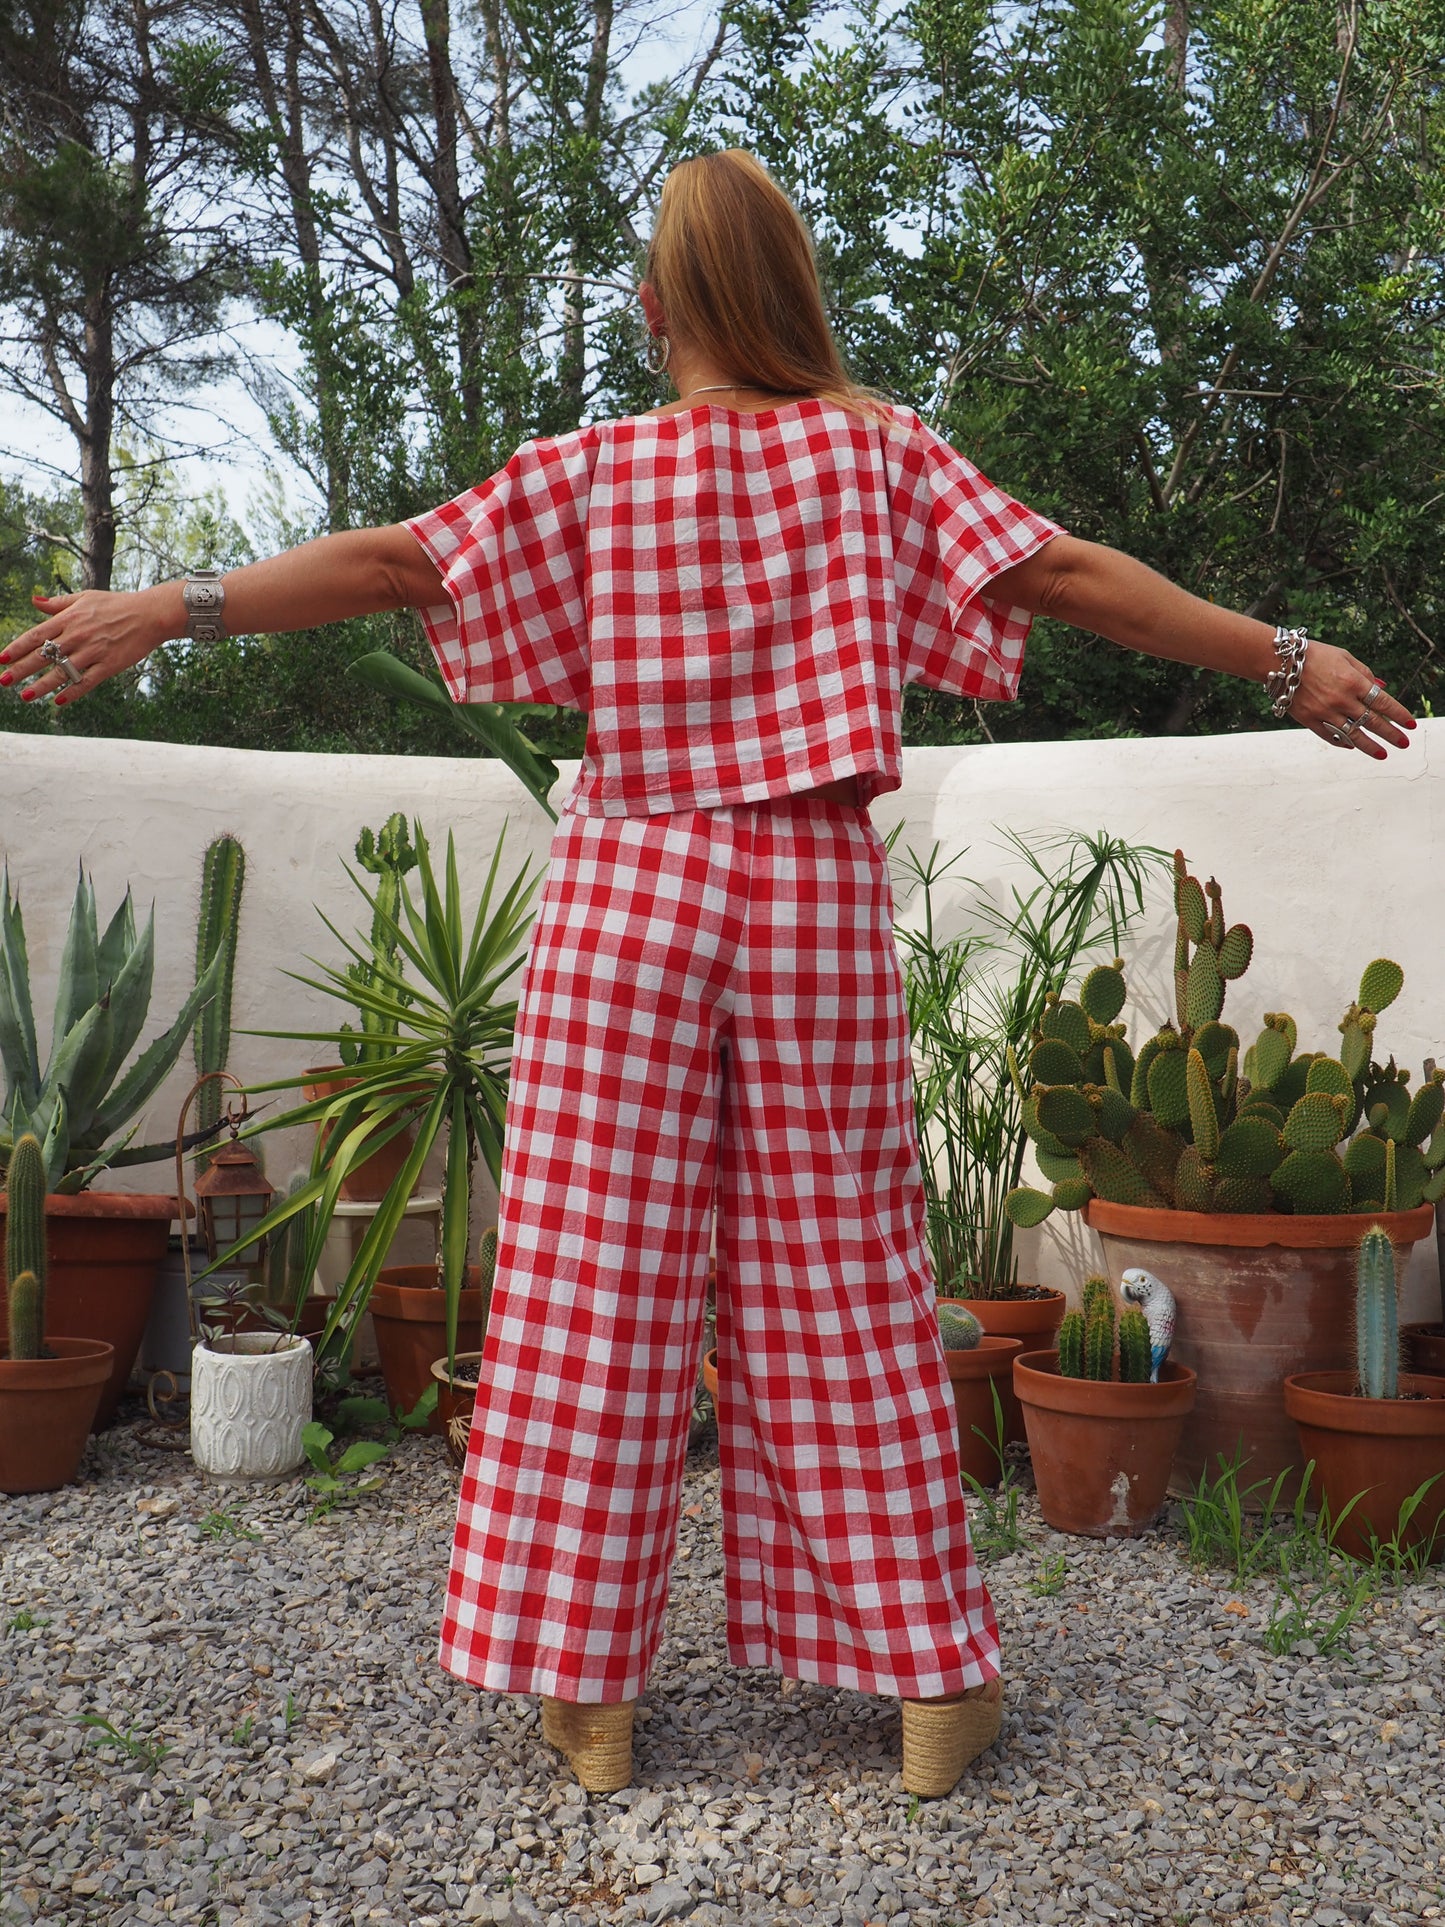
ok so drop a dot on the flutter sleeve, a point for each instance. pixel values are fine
(953, 532)
(513, 559)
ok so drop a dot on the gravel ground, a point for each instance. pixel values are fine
(1157, 1762)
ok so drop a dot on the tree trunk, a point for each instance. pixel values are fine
(97, 485)
(573, 369)
(451, 218)
(1176, 40)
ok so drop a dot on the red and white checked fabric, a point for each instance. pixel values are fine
(735, 599)
(713, 1018)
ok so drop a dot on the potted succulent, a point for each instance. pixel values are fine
(409, 1314)
(443, 1077)
(1375, 1434)
(969, 999)
(387, 855)
(49, 1386)
(980, 1369)
(1244, 1176)
(250, 1404)
(1102, 1438)
(105, 1247)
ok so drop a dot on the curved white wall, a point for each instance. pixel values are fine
(1332, 860)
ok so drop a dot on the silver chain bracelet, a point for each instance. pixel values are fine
(205, 601)
(1291, 646)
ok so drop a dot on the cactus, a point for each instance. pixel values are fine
(25, 1248)
(1377, 1332)
(1195, 1122)
(388, 855)
(1136, 1353)
(1071, 1345)
(487, 1270)
(27, 1316)
(959, 1330)
(288, 1281)
(223, 876)
(1099, 1345)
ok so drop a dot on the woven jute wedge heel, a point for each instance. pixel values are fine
(596, 1739)
(942, 1737)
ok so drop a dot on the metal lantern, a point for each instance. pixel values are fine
(232, 1197)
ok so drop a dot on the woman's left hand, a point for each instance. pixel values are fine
(1345, 703)
(97, 633)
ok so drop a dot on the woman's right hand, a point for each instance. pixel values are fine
(1346, 704)
(98, 631)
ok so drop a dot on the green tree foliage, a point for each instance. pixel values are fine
(1171, 273)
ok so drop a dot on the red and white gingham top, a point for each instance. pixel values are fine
(735, 599)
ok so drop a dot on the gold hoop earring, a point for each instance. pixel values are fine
(657, 354)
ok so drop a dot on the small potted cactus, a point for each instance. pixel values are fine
(49, 1387)
(980, 1365)
(409, 1311)
(1376, 1434)
(456, 1376)
(1245, 1174)
(1104, 1416)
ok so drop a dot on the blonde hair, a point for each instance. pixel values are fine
(732, 264)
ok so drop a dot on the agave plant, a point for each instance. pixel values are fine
(84, 1105)
(442, 1001)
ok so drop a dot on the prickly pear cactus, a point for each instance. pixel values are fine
(1196, 1122)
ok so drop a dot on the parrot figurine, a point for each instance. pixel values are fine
(1156, 1301)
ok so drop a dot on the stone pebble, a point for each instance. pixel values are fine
(280, 1745)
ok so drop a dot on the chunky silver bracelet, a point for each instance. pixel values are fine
(205, 601)
(1291, 646)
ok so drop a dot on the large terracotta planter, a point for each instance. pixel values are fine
(456, 1401)
(1259, 1297)
(105, 1249)
(1423, 1348)
(47, 1406)
(1101, 1451)
(409, 1310)
(1034, 1322)
(1382, 1448)
(370, 1180)
(974, 1376)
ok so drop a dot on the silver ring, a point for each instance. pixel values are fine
(52, 652)
(1376, 690)
(1336, 734)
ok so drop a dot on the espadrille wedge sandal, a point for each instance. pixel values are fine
(596, 1739)
(942, 1737)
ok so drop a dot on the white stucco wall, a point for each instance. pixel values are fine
(1332, 859)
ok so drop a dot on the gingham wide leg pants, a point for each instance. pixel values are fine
(713, 1018)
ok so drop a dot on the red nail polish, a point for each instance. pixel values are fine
(7, 677)
(26, 694)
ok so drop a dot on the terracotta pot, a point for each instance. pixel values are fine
(455, 1403)
(1101, 1451)
(1259, 1297)
(374, 1176)
(975, 1375)
(104, 1251)
(409, 1310)
(1382, 1448)
(709, 1374)
(47, 1406)
(1424, 1348)
(1034, 1322)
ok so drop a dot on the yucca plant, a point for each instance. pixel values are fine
(443, 1003)
(84, 1105)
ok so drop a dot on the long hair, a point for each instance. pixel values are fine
(733, 266)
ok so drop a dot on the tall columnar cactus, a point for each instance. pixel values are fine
(223, 876)
(1377, 1330)
(1136, 1363)
(1196, 1124)
(287, 1279)
(1071, 1345)
(25, 1268)
(487, 1271)
(387, 854)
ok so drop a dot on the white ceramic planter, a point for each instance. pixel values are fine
(250, 1399)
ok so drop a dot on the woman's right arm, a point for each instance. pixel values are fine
(358, 572)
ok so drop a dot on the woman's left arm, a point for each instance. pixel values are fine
(1099, 589)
